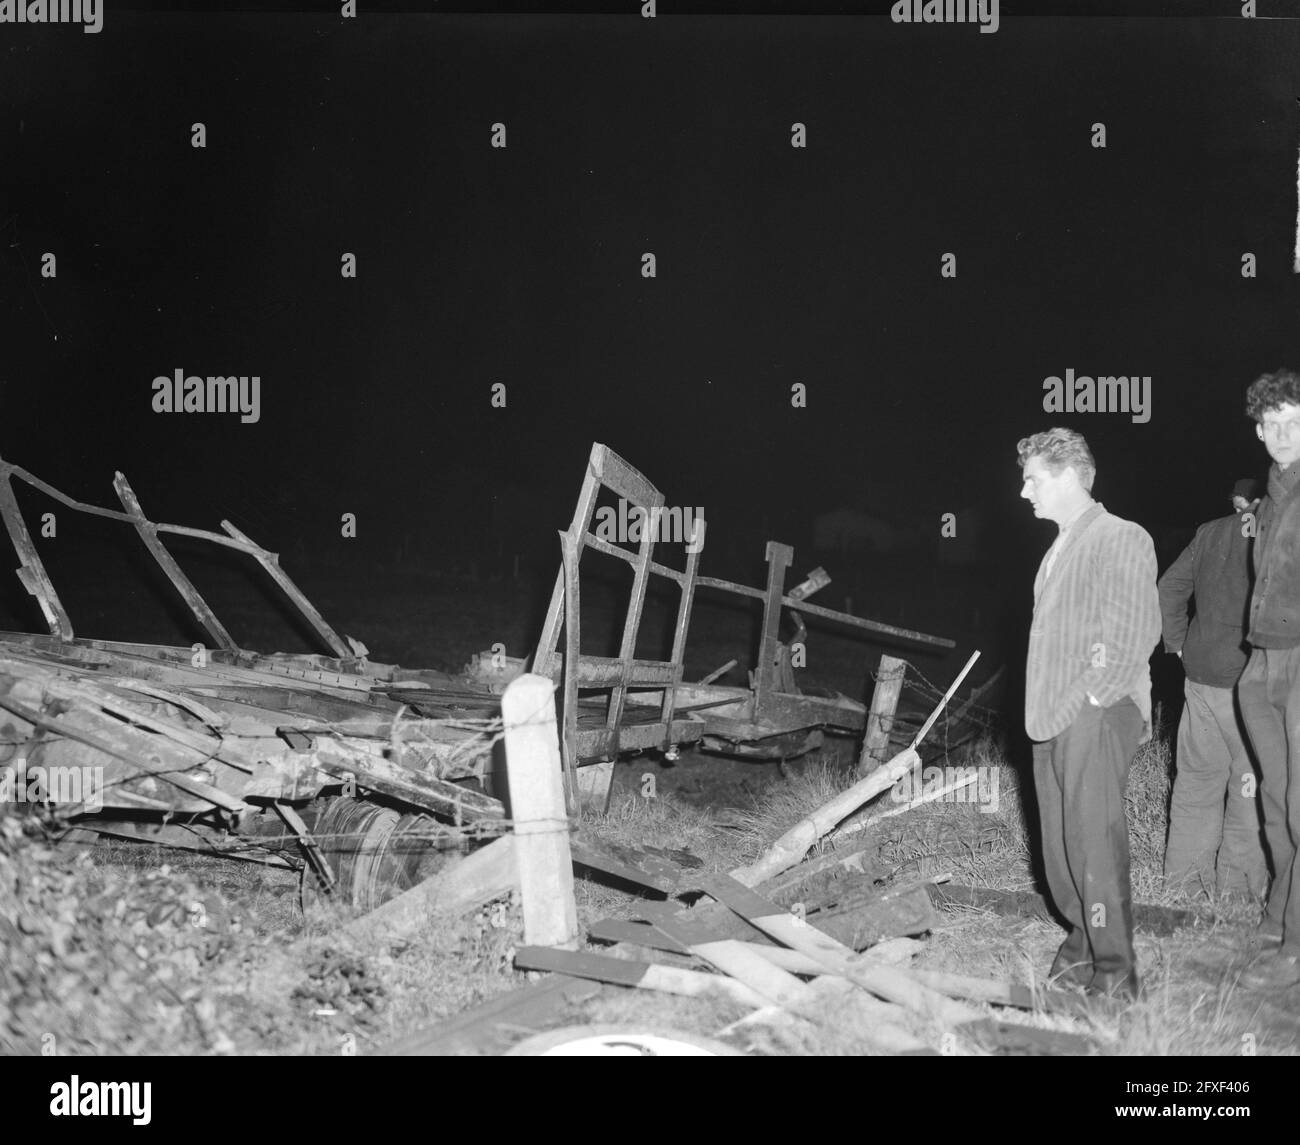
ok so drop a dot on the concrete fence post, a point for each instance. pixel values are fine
(541, 824)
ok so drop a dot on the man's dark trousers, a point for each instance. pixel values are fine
(1269, 695)
(1080, 776)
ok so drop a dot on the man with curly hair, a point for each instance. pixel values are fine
(1087, 705)
(1269, 688)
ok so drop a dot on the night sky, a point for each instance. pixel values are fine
(775, 265)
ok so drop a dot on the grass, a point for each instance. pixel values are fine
(1193, 1002)
(279, 982)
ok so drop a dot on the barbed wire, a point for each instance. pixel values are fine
(977, 716)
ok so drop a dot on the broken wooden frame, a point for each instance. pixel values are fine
(37, 581)
(772, 719)
(210, 749)
(222, 740)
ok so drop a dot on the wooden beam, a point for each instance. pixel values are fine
(32, 573)
(476, 880)
(887, 982)
(271, 563)
(643, 975)
(779, 557)
(740, 961)
(791, 847)
(148, 532)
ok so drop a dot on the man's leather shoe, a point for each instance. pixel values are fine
(1066, 973)
(1266, 936)
(1276, 971)
(1120, 984)
(1071, 966)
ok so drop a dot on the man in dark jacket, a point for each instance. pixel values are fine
(1087, 704)
(1213, 840)
(1269, 689)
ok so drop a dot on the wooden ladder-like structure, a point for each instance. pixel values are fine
(616, 675)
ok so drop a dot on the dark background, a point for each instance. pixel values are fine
(522, 266)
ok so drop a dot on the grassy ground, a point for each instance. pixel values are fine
(1194, 1003)
(112, 950)
(125, 949)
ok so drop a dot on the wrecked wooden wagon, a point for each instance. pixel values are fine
(369, 776)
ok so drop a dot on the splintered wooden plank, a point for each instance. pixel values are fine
(390, 778)
(954, 985)
(741, 962)
(887, 982)
(633, 864)
(882, 1021)
(849, 857)
(144, 753)
(862, 924)
(875, 1021)
(637, 933)
(643, 934)
(642, 975)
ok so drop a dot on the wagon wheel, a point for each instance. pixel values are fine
(374, 851)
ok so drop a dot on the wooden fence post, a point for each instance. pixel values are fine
(884, 705)
(541, 823)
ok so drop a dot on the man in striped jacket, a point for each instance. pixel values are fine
(1087, 704)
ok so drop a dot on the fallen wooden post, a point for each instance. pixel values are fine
(791, 847)
(861, 823)
(487, 874)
